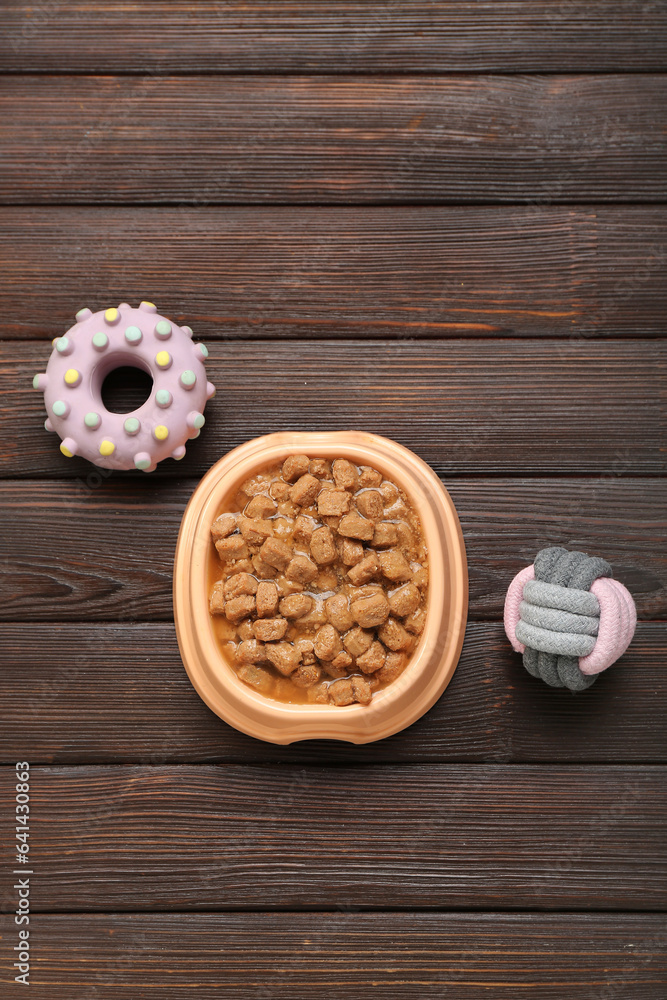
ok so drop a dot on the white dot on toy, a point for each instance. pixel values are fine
(112, 338)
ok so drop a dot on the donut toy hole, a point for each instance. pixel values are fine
(125, 389)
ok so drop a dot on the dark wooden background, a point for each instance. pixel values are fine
(444, 222)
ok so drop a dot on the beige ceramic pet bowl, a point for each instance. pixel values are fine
(433, 661)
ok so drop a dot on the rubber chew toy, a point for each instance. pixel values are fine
(103, 341)
(568, 617)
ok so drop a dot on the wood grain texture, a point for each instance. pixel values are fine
(300, 140)
(513, 407)
(106, 693)
(407, 956)
(505, 523)
(173, 174)
(242, 272)
(351, 37)
(229, 838)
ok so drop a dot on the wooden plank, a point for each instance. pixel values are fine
(258, 37)
(409, 271)
(407, 956)
(230, 838)
(505, 406)
(215, 140)
(505, 522)
(72, 693)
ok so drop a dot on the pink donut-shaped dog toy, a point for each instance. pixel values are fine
(113, 338)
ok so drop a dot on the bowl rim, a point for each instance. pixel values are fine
(436, 655)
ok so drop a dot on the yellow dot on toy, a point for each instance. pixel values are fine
(72, 376)
(107, 448)
(161, 432)
(111, 315)
(163, 359)
(66, 452)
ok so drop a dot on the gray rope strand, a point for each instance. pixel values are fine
(559, 617)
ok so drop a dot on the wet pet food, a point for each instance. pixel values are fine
(319, 581)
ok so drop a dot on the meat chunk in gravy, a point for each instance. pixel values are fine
(318, 581)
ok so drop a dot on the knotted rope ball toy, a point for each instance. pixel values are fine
(568, 617)
(103, 341)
